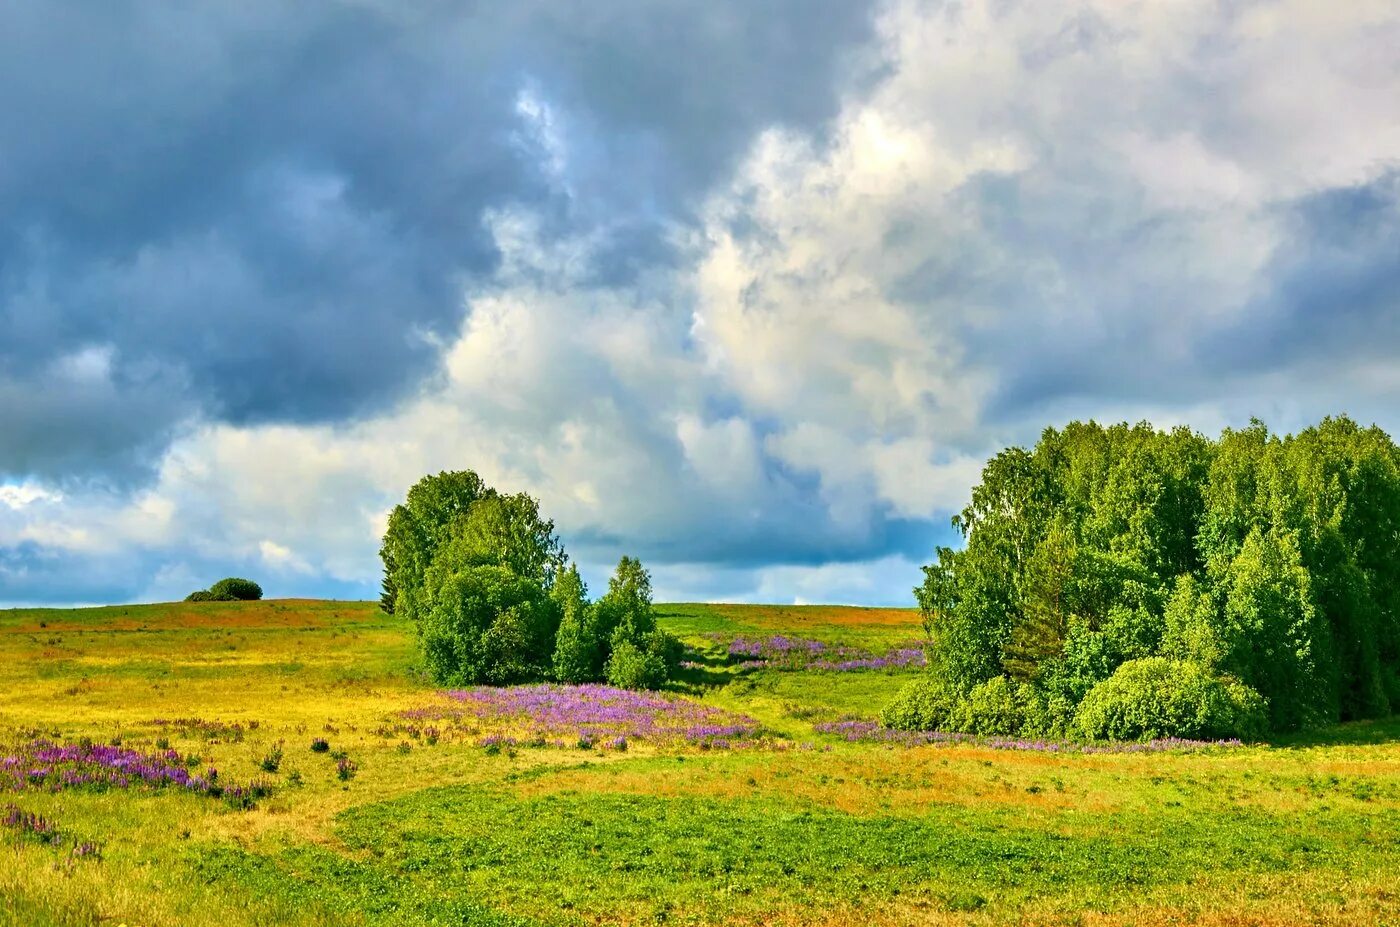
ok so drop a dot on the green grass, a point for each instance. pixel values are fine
(810, 831)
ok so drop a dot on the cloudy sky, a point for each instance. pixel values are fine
(748, 290)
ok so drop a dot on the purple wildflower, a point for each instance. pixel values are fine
(29, 824)
(43, 764)
(596, 714)
(783, 652)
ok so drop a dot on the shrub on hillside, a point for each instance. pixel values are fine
(236, 588)
(496, 601)
(1159, 697)
(204, 595)
(616, 638)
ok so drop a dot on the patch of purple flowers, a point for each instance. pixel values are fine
(856, 731)
(597, 714)
(45, 765)
(30, 824)
(783, 652)
(776, 647)
(41, 829)
(900, 658)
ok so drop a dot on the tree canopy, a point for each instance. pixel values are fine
(496, 601)
(1238, 584)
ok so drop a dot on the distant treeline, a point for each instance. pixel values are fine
(1128, 582)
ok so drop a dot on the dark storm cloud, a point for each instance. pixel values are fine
(267, 211)
(61, 422)
(1334, 293)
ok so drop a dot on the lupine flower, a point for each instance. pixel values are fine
(783, 652)
(29, 824)
(545, 714)
(87, 849)
(42, 764)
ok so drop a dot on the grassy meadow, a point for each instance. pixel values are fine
(412, 814)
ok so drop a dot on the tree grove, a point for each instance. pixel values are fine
(1126, 581)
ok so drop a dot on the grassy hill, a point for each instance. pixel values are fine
(425, 808)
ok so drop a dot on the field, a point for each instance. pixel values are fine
(418, 809)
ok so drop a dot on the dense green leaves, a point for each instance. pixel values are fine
(237, 588)
(1273, 562)
(229, 589)
(495, 601)
(578, 651)
(922, 705)
(1157, 697)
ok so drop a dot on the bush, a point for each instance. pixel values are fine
(488, 624)
(204, 595)
(1157, 697)
(235, 588)
(991, 708)
(922, 705)
(1044, 714)
(668, 648)
(630, 667)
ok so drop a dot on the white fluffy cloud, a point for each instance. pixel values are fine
(1038, 211)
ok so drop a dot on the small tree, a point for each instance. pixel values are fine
(626, 607)
(578, 651)
(640, 656)
(388, 589)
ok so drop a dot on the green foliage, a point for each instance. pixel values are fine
(578, 652)
(204, 595)
(388, 586)
(486, 625)
(474, 569)
(922, 705)
(631, 667)
(621, 629)
(615, 638)
(1274, 638)
(236, 588)
(1158, 697)
(423, 523)
(626, 607)
(494, 600)
(1272, 560)
(990, 708)
(232, 589)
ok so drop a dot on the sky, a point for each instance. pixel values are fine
(747, 290)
